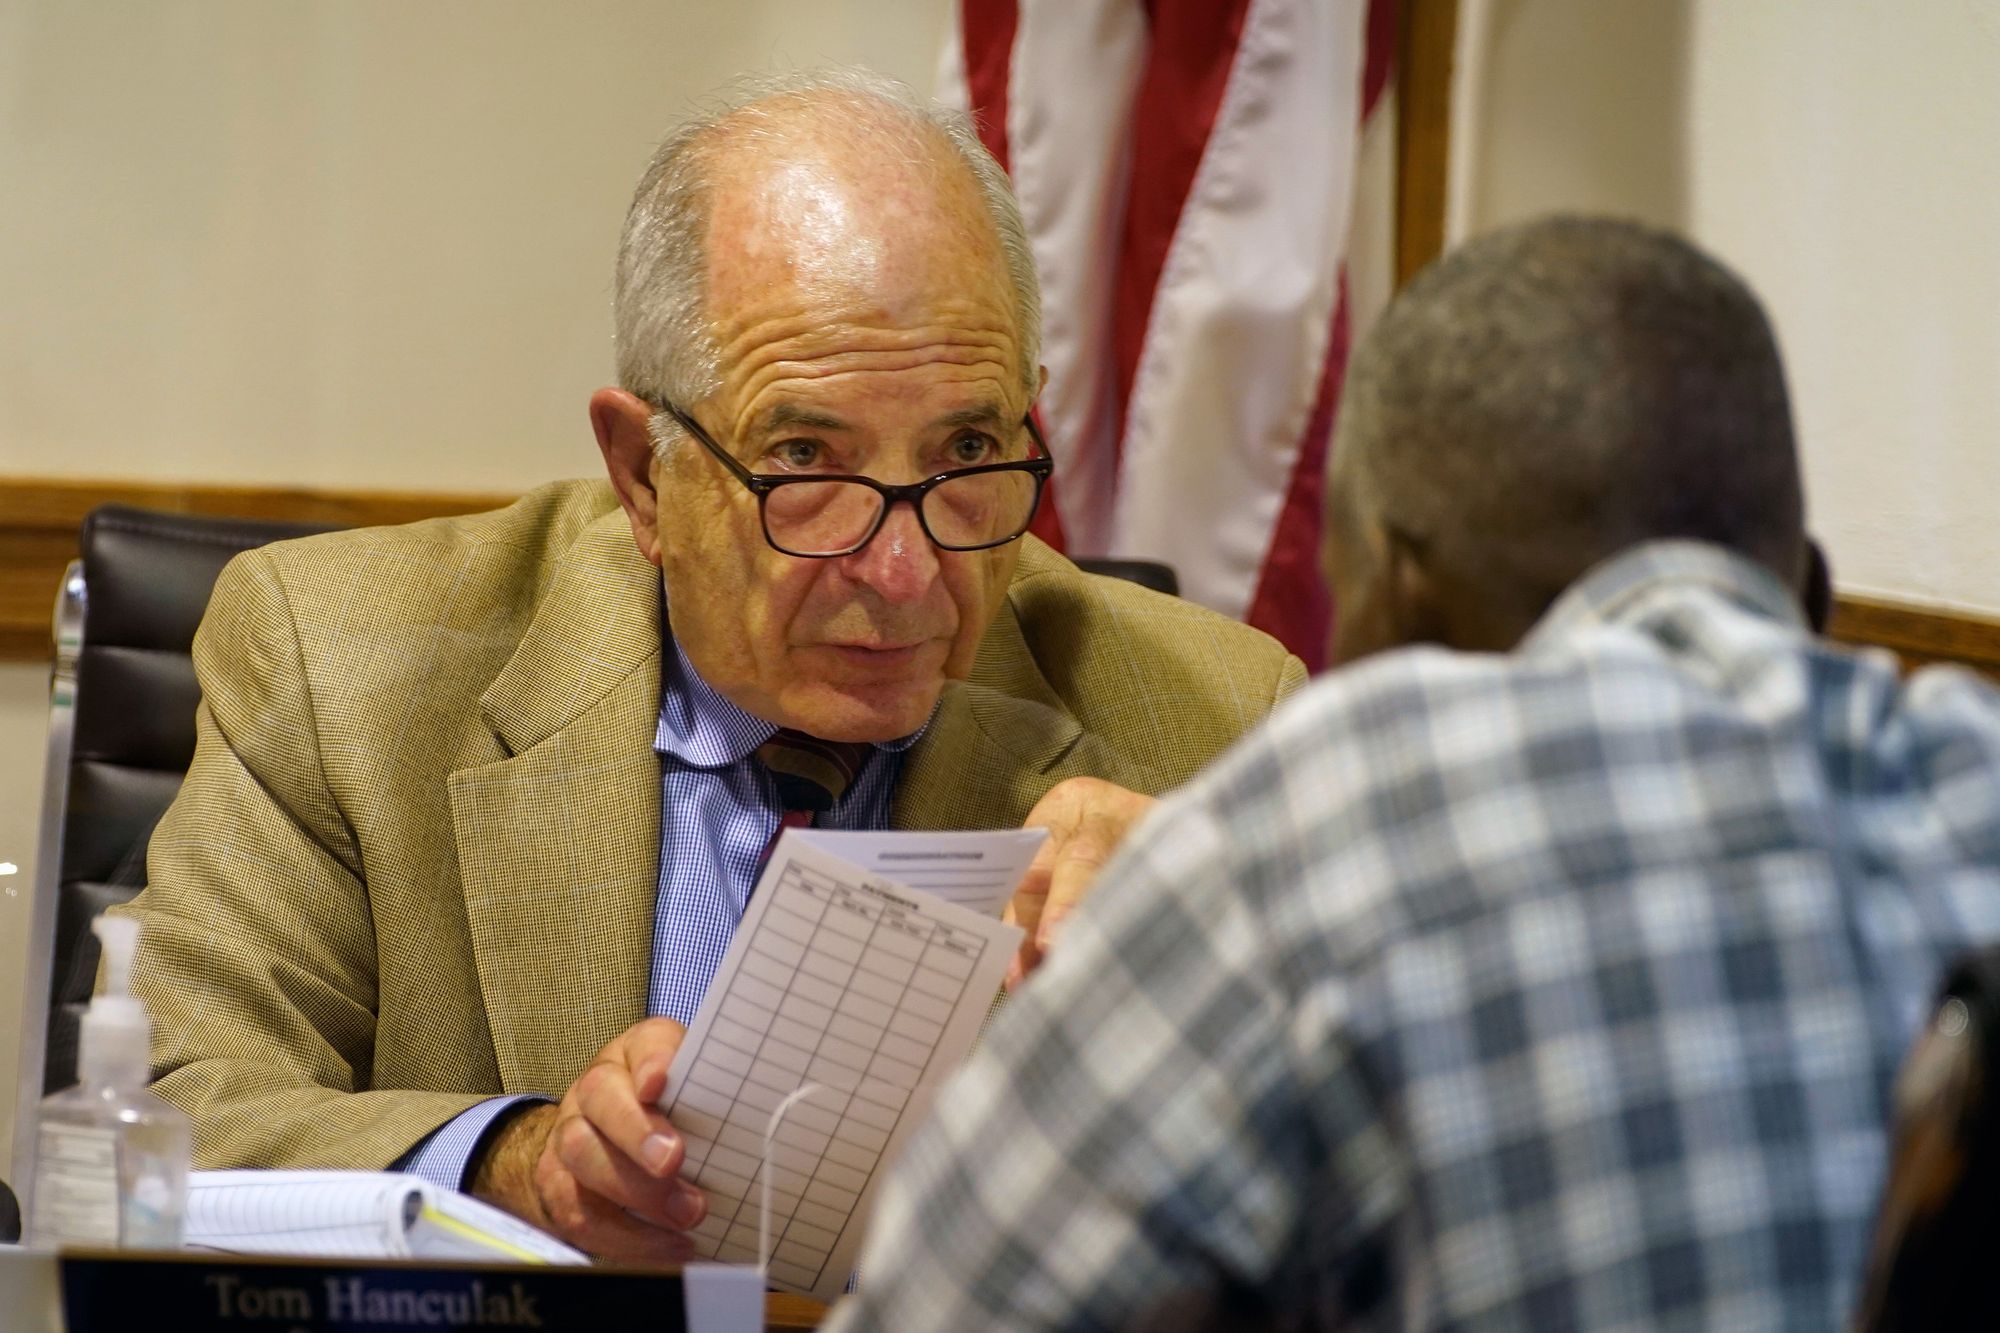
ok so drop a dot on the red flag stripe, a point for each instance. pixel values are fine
(1187, 70)
(988, 28)
(1047, 523)
(1379, 55)
(1292, 602)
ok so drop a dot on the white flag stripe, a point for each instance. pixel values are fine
(1075, 70)
(1371, 237)
(1240, 319)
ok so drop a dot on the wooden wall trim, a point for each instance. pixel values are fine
(1426, 38)
(1919, 635)
(39, 518)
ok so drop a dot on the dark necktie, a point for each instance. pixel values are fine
(811, 773)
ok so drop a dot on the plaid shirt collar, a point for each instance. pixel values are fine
(1628, 586)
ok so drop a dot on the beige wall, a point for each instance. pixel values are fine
(334, 242)
(23, 725)
(1841, 156)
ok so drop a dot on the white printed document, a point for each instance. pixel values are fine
(849, 981)
(357, 1215)
(976, 870)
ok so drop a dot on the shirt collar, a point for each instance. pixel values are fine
(702, 729)
(1622, 587)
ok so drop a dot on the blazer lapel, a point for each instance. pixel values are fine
(558, 837)
(997, 743)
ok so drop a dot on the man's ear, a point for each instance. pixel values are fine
(619, 420)
(1817, 595)
(1416, 603)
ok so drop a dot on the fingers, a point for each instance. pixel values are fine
(620, 1094)
(607, 1177)
(1028, 957)
(1025, 911)
(1087, 820)
(649, 1048)
(605, 1098)
(595, 1223)
(649, 1190)
(1089, 844)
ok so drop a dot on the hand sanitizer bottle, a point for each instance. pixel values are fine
(111, 1158)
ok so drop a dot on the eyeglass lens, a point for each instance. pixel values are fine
(828, 517)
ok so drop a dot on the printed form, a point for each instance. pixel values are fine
(855, 981)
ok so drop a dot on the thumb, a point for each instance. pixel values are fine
(1031, 896)
(1025, 911)
(650, 1048)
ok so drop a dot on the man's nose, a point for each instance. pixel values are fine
(900, 563)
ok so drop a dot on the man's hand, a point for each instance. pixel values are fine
(601, 1170)
(1087, 819)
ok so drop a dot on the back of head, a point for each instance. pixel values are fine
(1550, 394)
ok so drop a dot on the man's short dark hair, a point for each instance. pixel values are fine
(1549, 394)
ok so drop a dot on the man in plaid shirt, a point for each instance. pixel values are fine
(1549, 976)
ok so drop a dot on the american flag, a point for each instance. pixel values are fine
(1188, 171)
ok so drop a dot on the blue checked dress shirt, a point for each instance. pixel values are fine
(718, 811)
(1549, 990)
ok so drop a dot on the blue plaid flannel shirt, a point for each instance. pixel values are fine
(1557, 989)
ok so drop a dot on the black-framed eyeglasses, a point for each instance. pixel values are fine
(820, 517)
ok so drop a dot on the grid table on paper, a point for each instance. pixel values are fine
(845, 987)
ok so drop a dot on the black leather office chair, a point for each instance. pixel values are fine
(121, 735)
(1931, 1266)
(1148, 573)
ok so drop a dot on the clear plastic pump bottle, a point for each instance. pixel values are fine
(111, 1158)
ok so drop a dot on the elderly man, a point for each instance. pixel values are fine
(478, 798)
(1549, 976)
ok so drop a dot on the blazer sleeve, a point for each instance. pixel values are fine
(257, 953)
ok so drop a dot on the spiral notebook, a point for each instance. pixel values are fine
(357, 1215)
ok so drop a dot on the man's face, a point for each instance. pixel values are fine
(866, 326)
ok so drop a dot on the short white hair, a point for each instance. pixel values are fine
(665, 345)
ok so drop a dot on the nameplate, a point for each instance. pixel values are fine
(104, 1292)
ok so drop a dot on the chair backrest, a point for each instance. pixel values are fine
(1149, 573)
(1930, 1265)
(121, 735)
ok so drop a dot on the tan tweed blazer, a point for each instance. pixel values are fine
(415, 859)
